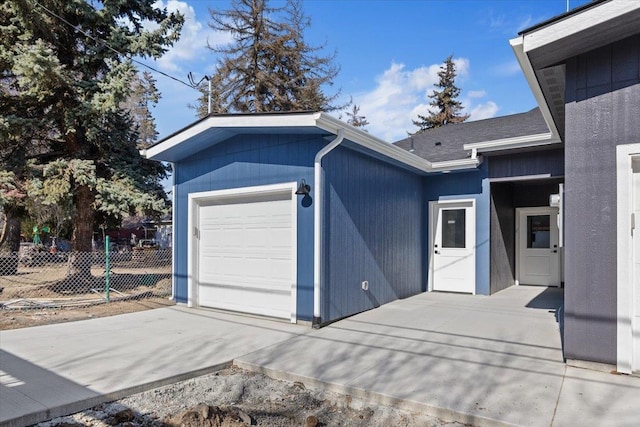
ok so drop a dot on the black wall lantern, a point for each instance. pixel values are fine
(303, 189)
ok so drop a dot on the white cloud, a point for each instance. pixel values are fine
(193, 38)
(400, 95)
(462, 67)
(483, 111)
(476, 94)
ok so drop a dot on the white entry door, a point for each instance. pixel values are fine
(453, 241)
(538, 249)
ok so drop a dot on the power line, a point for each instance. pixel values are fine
(105, 44)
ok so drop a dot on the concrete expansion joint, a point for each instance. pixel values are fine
(356, 397)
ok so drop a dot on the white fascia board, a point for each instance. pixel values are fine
(233, 121)
(360, 137)
(513, 143)
(517, 45)
(319, 120)
(578, 23)
(452, 165)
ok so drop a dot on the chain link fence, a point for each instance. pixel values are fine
(38, 279)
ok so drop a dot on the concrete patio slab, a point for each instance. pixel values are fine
(599, 398)
(53, 370)
(481, 360)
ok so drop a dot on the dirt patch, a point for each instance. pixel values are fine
(15, 319)
(235, 397)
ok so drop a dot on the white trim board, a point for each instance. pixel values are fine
(229, 125)
(202, 198)
(625, 297)
(433, 218)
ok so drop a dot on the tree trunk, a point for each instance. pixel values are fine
(10, 240)
(82, 239)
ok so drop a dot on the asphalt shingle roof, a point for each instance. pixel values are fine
(445, 143)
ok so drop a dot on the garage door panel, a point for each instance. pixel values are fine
(246, 299)
(246, 255)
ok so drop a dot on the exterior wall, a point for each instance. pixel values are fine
(374, 230)
(243, 161)
(527, 164)
(602, 111)
(503, 242)
(466, 185)
(507, 196)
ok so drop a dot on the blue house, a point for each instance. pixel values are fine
(302, 217)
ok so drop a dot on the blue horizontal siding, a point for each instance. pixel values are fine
(244, 161)
(373, 230)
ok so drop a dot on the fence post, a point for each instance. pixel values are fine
(107, 271)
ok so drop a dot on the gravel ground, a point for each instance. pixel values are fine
(235, 397)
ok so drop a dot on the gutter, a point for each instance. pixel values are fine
(317, 224)
(517, 44)
(546, 138)
(364, 139)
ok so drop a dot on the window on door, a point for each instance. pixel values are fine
(538, 231)
(453, 228)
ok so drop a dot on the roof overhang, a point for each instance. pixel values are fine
(513, 143)
(214, 129)
(543, 50)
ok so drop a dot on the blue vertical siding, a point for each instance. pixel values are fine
(243, 161)
(468, 185)
(373, 230)
(537, 162)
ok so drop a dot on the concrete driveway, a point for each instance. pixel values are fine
(54, 370)
(481, 360)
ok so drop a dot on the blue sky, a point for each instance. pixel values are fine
(389, 52)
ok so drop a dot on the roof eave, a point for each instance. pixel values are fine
(517, 44)
(228, 124)
(454, 165)
(518, 142)
(322, 121)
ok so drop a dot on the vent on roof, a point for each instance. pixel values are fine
(437, 143)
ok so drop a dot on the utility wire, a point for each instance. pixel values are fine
(105, 44)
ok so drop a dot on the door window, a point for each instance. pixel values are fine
(538, 231)
(453, 228)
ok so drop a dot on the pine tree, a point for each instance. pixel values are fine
(268, 66)
(144, 94)
(65, 69)
(355, 119)
(446, 107)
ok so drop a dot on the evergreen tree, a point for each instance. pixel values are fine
(268, 66)
(144, 94)
(66, 71)
(446, 107)
(355, 119)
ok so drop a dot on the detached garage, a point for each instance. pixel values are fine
(244, 252)
(296, 216)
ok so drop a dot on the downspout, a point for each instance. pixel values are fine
(317, 224)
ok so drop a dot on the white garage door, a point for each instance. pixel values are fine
(246, 254)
